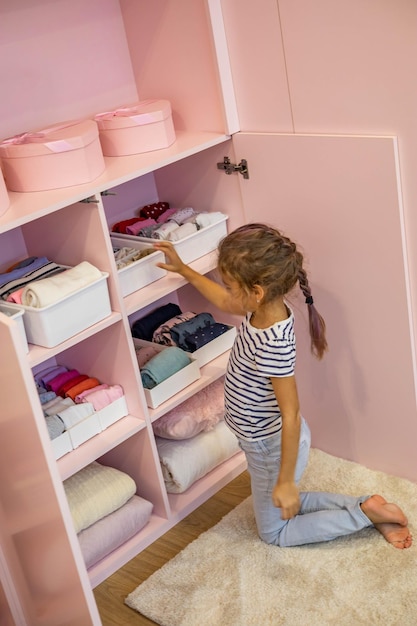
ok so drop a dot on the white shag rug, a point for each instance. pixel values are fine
(228, 577)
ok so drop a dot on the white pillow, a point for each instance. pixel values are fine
(96, 491)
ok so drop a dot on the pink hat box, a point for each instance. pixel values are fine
(63, 155)
(141, 127)
(4, 196)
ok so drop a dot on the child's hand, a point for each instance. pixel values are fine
(173, 261)
(286, 497)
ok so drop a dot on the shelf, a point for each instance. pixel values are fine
(25, 207)
(98, 445)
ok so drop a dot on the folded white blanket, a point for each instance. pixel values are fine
(46, 291)
(185, 461)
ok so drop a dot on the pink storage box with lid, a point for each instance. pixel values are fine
(63, 155)
(141, 127)
(4, 196)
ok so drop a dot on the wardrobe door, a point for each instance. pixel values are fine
(339, 197)
(43, 576)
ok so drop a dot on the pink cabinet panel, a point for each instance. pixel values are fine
(339, 198)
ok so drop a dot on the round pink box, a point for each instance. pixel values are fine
(63, 155)
(141, 127)
(4, 196)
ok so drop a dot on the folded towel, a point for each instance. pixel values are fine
(46, 291)
(185, 461)
(160, 367)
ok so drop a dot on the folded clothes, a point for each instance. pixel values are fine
(55, 426)
(166, 363)
(64, 391)
(204, 335)
(182, 330)
(72, 415)
(154, 210)
(46, 396)
(38, 377)
(103, 397)
(120, 227)
(56, 382)
(144, 353)
(55, 406)
(80, 396)
(185, 230)
(133, 229)
(59, 369)
(46, 291)
(14, 281)
(204, 219)
(164, 230)
(165, 215)
(162, 334)
(83, 385)
(144, 327)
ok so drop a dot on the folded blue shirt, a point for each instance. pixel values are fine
(163, 365)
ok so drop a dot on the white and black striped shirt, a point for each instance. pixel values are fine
(251, 408)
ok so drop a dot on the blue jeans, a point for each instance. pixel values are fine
(322, 516)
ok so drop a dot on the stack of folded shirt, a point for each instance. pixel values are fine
(168, 326)
(105, 510)
(38, 282)
(68, 396)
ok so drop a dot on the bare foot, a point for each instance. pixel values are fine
(389, 520)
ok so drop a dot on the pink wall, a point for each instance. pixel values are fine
(61, 60)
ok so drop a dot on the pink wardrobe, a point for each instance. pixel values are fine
(319, 100)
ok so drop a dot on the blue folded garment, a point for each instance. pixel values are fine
(163, 365)
(202, 336)
(182, 330)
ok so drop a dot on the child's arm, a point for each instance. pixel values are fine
(212, 291)
(285, 493)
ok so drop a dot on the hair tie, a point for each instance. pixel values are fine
(309, 300)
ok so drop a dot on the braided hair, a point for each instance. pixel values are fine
(258, 254)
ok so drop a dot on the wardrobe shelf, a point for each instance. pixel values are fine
(25, 207)
(156, 527)
(98, 445)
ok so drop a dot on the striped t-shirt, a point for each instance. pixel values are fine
(251, 408)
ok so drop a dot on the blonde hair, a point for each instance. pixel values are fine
(258, 254)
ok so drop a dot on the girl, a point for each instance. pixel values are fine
(259, 266)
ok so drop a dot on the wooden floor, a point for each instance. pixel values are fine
(111, 593)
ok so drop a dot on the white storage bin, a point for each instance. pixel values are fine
(172, 385)
(61, 445)
(196, 245)
(139, 273)
(84, 430)
(16, 313)
(53, 324)
(215, 348)
(112, 412)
